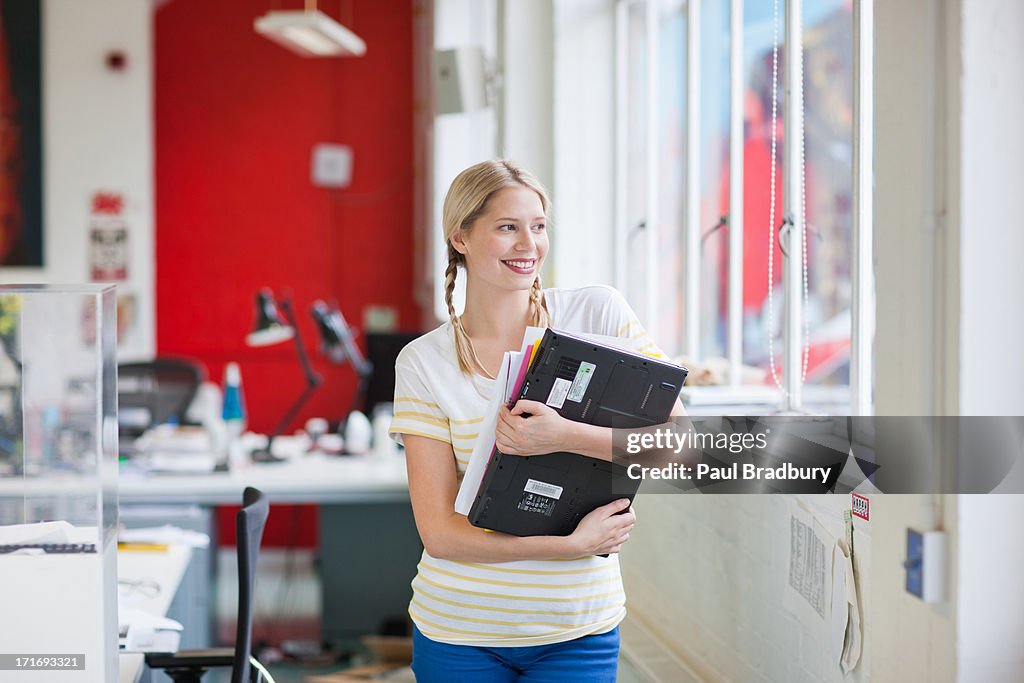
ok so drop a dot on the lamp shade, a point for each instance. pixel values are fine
(336, 338)
(269, 328)
(310, 33)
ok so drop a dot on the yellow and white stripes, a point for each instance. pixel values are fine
(516, 603)
(419, 417)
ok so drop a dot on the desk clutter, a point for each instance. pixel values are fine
(177, 449)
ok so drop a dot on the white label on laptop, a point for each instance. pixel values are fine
(556, 398)
(581, 381)
(542, 489)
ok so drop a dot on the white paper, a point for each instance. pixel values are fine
(483, 446)
(809, 577)
(164, 534)
(40, 532)
(485, 440)
(145, 632)
(844, 622)
(135, 618)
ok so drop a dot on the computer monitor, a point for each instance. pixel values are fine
(381, 350)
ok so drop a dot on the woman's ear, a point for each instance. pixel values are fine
(458, 242)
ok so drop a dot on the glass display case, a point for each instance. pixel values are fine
(58, 476)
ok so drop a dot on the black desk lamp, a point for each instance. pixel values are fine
(337, 342)
(270, 329)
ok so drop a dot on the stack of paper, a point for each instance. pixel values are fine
(507, 385)
(140, 631)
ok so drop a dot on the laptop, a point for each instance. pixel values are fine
(588, 382)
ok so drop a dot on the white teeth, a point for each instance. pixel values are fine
(520, 264)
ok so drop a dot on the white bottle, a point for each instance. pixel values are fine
(383, 413)
(358, 433)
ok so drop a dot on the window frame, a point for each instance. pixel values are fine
(791, 396)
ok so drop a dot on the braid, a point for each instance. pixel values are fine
(541, 318)
(464, 350)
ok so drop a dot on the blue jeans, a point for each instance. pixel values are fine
(593, 659)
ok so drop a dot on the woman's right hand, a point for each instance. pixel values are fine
(604, 530)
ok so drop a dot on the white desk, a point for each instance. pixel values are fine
(369, 556)
(311, 478)
(162, 568)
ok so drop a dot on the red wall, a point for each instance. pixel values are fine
(236, 120)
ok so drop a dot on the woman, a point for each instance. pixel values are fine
(489, 606)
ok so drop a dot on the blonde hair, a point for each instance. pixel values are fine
(466, 200)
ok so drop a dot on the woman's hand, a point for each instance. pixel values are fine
(542, 431)
(604, 530)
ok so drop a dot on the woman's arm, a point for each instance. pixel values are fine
(449, 535)
(545, 431)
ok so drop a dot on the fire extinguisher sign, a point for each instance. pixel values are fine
(108, 238)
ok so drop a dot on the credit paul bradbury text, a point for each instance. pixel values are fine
(821, 454)
(747, 472)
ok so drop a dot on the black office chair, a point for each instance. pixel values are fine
(188, 666)
(154, 392)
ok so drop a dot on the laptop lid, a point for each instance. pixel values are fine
(589, 382)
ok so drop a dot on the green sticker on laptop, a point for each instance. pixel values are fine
(582, 380)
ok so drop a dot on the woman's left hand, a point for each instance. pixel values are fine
(531, 428)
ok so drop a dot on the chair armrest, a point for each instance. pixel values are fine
(186, 659)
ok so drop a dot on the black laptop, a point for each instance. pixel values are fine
(587, 382)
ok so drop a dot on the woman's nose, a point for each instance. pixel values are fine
(525, 241)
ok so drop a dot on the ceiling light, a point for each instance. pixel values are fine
(310, 33)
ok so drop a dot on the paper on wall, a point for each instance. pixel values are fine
(844, 623)
(809, 579)
(821, 590)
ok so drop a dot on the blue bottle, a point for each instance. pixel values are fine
(233, 411)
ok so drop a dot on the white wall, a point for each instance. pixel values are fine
(991, 238)
(948, 143)
(990, 623)
(97, 136)
(462, 139)
(584, 143)
(707, 573)
(990, 619)
(916, 222)
(527, 100)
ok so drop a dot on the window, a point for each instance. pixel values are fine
(677, 91)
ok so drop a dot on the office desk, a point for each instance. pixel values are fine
(312, 478)
(368, 548)
(163, 568)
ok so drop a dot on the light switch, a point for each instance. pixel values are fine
(926, 565)
(331, 165)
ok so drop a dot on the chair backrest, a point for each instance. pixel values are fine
(249, 523)
(154, 392)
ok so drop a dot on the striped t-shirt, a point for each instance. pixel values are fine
(508, 604)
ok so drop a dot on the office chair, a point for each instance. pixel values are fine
(188, 666)
(154, 392)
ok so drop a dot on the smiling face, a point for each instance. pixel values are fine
(507, 243)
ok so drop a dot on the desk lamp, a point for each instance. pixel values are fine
(269, 330)
(337, 342)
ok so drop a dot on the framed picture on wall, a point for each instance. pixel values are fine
(21, 184)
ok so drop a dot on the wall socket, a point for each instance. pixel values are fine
(926, 564)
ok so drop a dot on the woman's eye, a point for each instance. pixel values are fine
(539, 227)
(508, 227)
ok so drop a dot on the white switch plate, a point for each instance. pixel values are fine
(331, 165)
